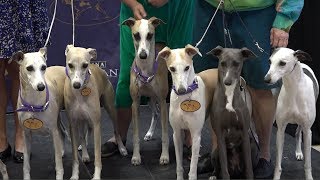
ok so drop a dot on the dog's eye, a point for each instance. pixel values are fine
(30, 68)
(137, 36)
(172, 69)
(70, 65)
(223, 64)
(282, 63)
(187, 68)
(235, 64)
(43, 68)
(149, 36)
(84, 66)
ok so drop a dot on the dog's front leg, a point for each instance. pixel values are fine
(136, 158)
(97, 151)
(222, 155)
(307, 153)
(246, 150)
(154, 120)
(26, 155)
(196, 139)
(299, 154)
(3, 170)
(75, 164)
(164, 159)
(57, 142)
(279, 144)
(178, 147)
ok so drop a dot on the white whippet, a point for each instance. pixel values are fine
(41, 114)
(85, 86)
(296, 102)
(190, 99)
(149, 77)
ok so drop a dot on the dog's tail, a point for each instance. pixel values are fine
(308, 71)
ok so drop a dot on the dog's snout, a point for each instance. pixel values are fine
(76, 85)
(143, 54)
(267, 78)
(227, 82)
(41, 87)
(182, 90)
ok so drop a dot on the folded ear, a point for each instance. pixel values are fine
(18, 57)
(68, 48)
(217, 51)
(302, 56)
(129, 22)
(191, 51)
(93, 54)
(247, 53)
(43, 52)
(164, 53)
(155, 21)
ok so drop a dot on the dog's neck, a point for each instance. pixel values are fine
(231, 93)
(292, 79)
(146, 65)
(192, 76)
(30, 95)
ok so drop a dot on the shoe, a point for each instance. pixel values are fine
(204, 164)
(109, 149)
(18, 157)
(4, 155)
(264, 169)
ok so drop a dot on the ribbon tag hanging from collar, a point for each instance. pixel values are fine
(190, 105)
(33, 123)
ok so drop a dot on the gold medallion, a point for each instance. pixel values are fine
(33, 123)
(86, 91)
(190, 105)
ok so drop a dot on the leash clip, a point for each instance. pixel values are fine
(150, 78)
(45, 106)
(258, 46)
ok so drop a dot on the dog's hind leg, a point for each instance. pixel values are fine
(178, 147)
(136, 157)
(26, 155)
(299, 154)
(75, 163)
(164, 158)
(3, 170)
(279, 144)
(97, 149)
(58, 146)
(307, 152)
(196, 139)
(246, 151)
(154, 120)
(84, 131)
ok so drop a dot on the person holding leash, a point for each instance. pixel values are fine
(258, 25)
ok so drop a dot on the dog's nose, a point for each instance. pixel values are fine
(181, 90)
(143, 54)
(41, 87)
(227, 82)
(76, 85)
(267, 78)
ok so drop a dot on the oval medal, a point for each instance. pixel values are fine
(86, 91)
(190, 105)
(33, 123)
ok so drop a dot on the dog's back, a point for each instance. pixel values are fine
(56, 77)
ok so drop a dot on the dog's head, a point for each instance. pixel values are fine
(180, 65)
(143, 34)
(32, 68)
(230, 63)
(77, 64)
(282, 62)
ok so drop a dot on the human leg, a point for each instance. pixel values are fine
(3, 107)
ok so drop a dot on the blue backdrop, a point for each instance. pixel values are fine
(97, 26)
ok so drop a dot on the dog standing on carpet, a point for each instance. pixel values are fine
(39, 103)
(3, 170)
(85, 87)
(296, 102)
(149, 77)
(190, 99)
(230, 117)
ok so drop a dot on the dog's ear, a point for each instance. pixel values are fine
(43, 52)
(164, 53)
(18, 57)
(129, 22)
(68, 48)
(93, 54)
(216, 51)
(191, 51)
(302, 56)
(247, 53)
(155, 21)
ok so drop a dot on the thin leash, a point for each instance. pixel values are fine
(73, 24)
(51, 25)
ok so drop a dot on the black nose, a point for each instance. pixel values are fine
(182, 90)
(227, 82)
(76, 85)
(143, 54)
(41, 87)
(267, 78)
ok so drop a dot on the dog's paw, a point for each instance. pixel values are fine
(164, 160)
(180, 178)
(74, 177)
(85, 159)
(277, 173)
(123, 151)
(80, 148)
(212, 178)
(148, 137)
(299, 156)
(136, 160)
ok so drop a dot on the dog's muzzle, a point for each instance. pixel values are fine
(76, 85)
(143, 54)
(41, 87)
(181, 90)
(267, 79)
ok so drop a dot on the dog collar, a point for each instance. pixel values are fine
(27, 107)
(144, 78)
(190, 88)
(85, 79)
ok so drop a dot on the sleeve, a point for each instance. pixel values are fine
(288, 11)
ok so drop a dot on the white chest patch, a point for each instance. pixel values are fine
(229, 94)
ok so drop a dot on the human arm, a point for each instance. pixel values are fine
(137, 9)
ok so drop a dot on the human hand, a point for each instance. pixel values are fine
(138, 10)
(158, 3)
(278, 38)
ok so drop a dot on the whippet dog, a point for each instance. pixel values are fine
(296, 102)
(190, 99)
(41, 114)
(85, 86)
(149, 77)
(230, 117)
(3, 170)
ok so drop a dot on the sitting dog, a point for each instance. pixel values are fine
(190, 100)
(296, 102)
(3, 170)
(85, 87)
(149, 77)
(230, 117)
(41, 114)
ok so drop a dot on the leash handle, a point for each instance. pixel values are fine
(51, 25)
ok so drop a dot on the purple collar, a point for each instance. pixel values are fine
(191, 88)
(26, 107)
(85, 79)
(144, 78)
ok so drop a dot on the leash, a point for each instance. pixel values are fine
(73, 24)
(51, 25)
